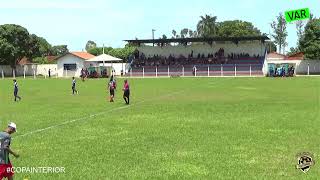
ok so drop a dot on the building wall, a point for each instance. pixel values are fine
(301, 66)
(40, 69)
(69, 59)
(117, 67)
(252, 48)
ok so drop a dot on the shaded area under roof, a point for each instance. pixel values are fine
(103, 58)
(208, 40)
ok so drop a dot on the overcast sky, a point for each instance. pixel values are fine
(109, 22)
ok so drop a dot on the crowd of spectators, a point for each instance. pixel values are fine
(218, 57)
(281, 72)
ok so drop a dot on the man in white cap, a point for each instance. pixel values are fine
(6, 170)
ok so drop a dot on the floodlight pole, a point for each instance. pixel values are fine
(208, 71)
(2, 74)
(153, 30)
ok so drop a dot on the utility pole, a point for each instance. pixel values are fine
(153, 30)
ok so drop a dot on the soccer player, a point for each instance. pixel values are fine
(74, 90)
(126, 92)
(113, 79)
(16, 90)
(6, 170)
(111, 87)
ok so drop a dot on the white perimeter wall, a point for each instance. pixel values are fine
(117, 67)
(40, 69)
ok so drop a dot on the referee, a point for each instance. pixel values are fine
(126, 92)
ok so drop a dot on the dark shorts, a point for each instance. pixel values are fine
(112, 92)
(126, 93)
(73, 87)
(15, 92)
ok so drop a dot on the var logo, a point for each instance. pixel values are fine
(298, 14)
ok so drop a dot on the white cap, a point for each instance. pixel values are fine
(13, 125)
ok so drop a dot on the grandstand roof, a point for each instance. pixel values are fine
(208, 40)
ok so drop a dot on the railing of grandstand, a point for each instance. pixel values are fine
(198, 70)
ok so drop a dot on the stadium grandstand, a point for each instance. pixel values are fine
(219, 56)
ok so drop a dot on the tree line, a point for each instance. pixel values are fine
(17, 43)
(308, 36)
(208, 26)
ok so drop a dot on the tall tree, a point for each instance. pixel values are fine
(164, 36)
(39, 47)
(279, 27)
(236, 28)
(310, 43)
(191, 33)
(99, 50)
(206, 27)
(271, 47)
(299, 28)
(90, 44)
(174, 33)
(15, 44)
(300, 31)
(59, 50)
(184, 32)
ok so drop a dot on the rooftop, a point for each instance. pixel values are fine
(208, 40)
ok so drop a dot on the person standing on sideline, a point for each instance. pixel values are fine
(49, 72)
(74, 90)
(82, 74)
(6, 170)
(194, 70)
(126, 92)
(16, 90)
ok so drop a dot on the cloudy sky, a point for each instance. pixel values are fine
(109, 22)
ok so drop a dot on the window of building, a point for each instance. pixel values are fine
(70, 67)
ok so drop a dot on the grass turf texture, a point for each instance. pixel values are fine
(177, 128)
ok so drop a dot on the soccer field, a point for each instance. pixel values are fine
(175, 128)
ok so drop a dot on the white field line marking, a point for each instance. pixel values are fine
(92, 115)
(97, 114)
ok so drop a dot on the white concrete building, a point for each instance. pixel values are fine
(70, 64)
(302, 67)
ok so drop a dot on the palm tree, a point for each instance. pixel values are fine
(184, 32)
(206, 27)
(174, 33)
(190, 33)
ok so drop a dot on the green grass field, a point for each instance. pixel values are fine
(177, 128)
